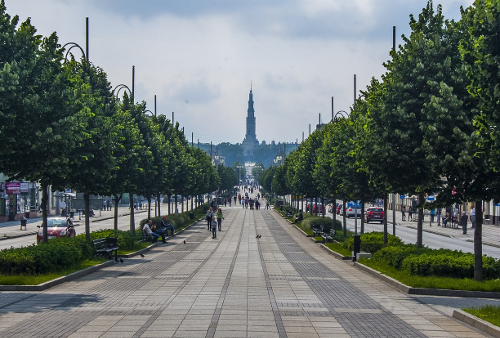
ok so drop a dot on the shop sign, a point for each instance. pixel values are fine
(25, 187)
(12, 188)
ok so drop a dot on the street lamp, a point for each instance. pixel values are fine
(341, 114)
(119, 88)
(240, 167)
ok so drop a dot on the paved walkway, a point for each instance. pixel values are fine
(281, 285)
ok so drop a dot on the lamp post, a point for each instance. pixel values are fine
(239, 170)
(341, 114)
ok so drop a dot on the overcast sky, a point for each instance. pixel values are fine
(200, 57)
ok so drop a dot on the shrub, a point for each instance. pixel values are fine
(310, 222)
(449, 265)
(58, 254)
(373, 242)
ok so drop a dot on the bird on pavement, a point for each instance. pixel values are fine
(184, 241)
(121, 260)
(257, 236)
(260, 236)
(142, 255)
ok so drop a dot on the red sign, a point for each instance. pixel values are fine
(12, 188)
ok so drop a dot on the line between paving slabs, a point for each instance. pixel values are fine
(339, 293)
(158, 312)
(272, 298)
(215, 317)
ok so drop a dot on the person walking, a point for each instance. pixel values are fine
(410, 213)
(220, 217)
(438, 215)
(209, 217)
(214, 228)
(403, 215)
(473, 217)
(463, 222)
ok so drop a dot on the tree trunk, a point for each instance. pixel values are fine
(478, 242)
(322, 206)
(420, 223)
(149, 207)
(168, 211)
(175, 205)
(132, 214)
(86, 199)
(45, 199)
(192, 198)
(362, 217)
(344, 221)
(385, 218)
(117, 201)
(158, 202)
(334, 212)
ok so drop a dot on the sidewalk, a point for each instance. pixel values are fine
(491, 233)
(12, 229)
(276, 285)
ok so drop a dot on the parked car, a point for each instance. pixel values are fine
(350, 211)
(374, 214)
(56, 228)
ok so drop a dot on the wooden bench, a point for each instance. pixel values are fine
(148, 237)
(328, 236)
(288, 213)
(106, 246)
(317, 230)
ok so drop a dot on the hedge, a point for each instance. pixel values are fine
(448, 265)
(372, 242)
(56, 255)
(310, 222)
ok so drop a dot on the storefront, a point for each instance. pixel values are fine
(17, 200)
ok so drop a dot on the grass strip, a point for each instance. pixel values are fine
(489, 313)
(432, 282)
(338, 248)
(39, 279)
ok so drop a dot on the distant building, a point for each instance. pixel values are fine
(250, 142)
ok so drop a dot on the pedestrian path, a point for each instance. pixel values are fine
(237, 285)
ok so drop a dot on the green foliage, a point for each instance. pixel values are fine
(58, 254)
(373, 242)
(310, 222)
(449, 265)
(489, 313)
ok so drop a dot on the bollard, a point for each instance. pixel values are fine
(357, 246)
(24, 221)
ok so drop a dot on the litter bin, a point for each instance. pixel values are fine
(24, 221)
(357, 246)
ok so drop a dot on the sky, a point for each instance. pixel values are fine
(201, 57)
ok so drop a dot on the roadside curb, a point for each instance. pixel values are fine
(57, 281)
(335, 254)
(422, 291)
(477, 323)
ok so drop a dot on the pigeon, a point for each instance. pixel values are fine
(260, 236)
(257, 236)
(142, 255)
(184, 241)
(121, 260)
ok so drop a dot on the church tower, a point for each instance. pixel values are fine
(250, 142)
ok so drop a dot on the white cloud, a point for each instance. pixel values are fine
(199, 57)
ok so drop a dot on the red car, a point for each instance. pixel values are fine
(374, 214)
(56, 227)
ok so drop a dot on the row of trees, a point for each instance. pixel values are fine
(62, 126)
(429, 125)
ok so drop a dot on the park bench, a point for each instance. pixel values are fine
(289, 213)
(328, 236)
(317, 230)
(147, 237)
(106, 246)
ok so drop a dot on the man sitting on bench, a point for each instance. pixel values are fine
(299, 217)
(147, 230)
(167, 226)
